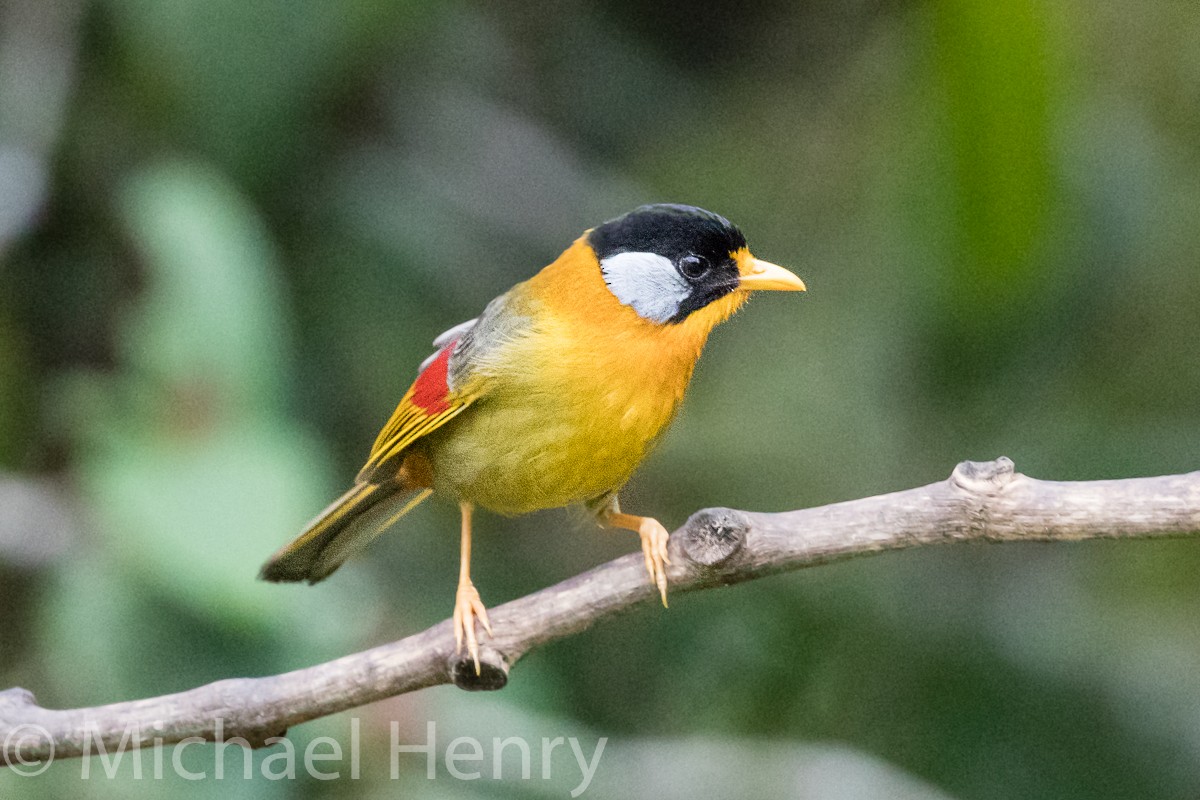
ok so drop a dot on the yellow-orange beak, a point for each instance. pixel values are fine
(758, 275)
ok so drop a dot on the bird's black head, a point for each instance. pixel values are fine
(667, 261)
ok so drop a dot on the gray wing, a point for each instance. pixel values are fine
(456, 332)
(445, 338)
(483, 339)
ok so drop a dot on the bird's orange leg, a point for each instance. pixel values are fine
(654, 542)
(467, 604)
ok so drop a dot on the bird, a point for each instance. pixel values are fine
(552, 396)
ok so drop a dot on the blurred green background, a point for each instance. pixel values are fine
(230, 229)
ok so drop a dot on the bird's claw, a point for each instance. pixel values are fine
(467, 608)
(654, 548)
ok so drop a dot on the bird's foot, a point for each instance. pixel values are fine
(467, 608)
(654, 548)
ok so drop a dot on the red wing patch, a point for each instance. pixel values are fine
(425, 407)
(431, 390)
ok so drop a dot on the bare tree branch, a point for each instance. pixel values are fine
(979, 502)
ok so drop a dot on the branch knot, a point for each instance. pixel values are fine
(984, 477)
(712, 536)
(492, 675)
(16, 699)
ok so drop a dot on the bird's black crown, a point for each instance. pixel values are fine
(669, 230)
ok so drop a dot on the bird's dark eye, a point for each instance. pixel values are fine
(693, 267)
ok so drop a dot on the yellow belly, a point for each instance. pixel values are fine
(528, 448)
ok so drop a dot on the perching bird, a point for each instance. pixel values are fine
(553, 395)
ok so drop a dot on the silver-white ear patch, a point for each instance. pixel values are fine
(646, 282)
